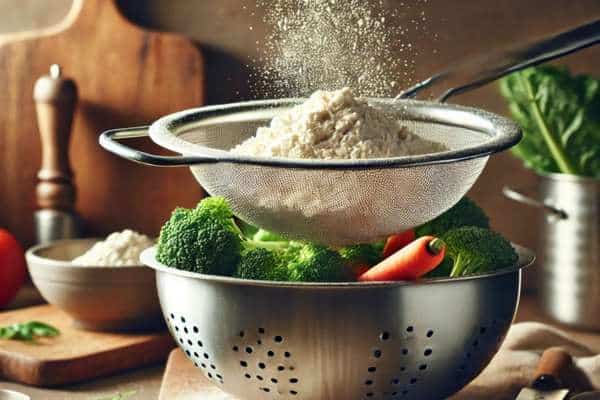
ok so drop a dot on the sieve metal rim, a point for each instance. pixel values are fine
(503, 133)
(148, 258)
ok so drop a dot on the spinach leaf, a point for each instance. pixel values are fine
(560, 117)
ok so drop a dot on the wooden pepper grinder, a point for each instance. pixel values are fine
(55, 101)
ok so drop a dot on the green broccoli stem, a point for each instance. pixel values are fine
(562, 160)
(457, 268)
(249, 244)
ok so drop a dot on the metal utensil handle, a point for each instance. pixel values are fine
(515, 59)
(552, 363)
(516, 195)
(109, 141)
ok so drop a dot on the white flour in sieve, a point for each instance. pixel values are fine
(335, 125)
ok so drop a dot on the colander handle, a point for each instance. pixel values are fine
(109, 140)
(484, 69)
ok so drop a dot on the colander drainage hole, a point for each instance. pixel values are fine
(261, 330)
(427, 352)
(377, 353)
(294, 380)
(430, 333)
(261, 365)
(410, 329)
(384, 336)
(249, 350)
(395, 381)
(278, 339)
(372, 369)
(270, 353)
(293, 392)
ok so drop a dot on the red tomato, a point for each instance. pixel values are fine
(13, 269)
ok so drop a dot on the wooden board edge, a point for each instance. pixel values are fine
(110, 362)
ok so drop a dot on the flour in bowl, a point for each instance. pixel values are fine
(335, 125)
(118, 250)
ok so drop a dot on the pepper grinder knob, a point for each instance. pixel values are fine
(55, 100)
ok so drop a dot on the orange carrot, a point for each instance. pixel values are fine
(398, 241)
(409, 263)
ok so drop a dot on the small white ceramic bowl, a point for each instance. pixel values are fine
(97, 298)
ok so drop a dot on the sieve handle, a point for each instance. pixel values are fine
(517, 196)
(485, 69)
(109, 140)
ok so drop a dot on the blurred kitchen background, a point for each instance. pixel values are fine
(220, 29)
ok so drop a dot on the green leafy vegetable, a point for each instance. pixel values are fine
(28, 331)
(560, 118)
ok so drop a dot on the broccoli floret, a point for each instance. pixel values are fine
(310, 262)
(263, 264)
(205, 239)
(472, 249)
(366, 254)
(463, 213)
(208, 240)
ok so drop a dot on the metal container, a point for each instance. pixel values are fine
(569, 276)
(331, 341)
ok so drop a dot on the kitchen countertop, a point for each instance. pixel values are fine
(146, 382)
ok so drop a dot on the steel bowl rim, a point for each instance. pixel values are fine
(526, 259)
(502, 132)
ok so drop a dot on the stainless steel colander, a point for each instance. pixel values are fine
(328, 201)
(344, 341)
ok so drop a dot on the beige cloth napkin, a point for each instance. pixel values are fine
(514, 365)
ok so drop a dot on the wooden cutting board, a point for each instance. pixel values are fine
(126, 76)
(75, 355)
(183, 381)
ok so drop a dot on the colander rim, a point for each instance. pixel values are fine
(503, 133)
(148, 258)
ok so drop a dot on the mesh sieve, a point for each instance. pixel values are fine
(329, 201)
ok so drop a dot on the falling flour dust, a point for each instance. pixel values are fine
(329, 44)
